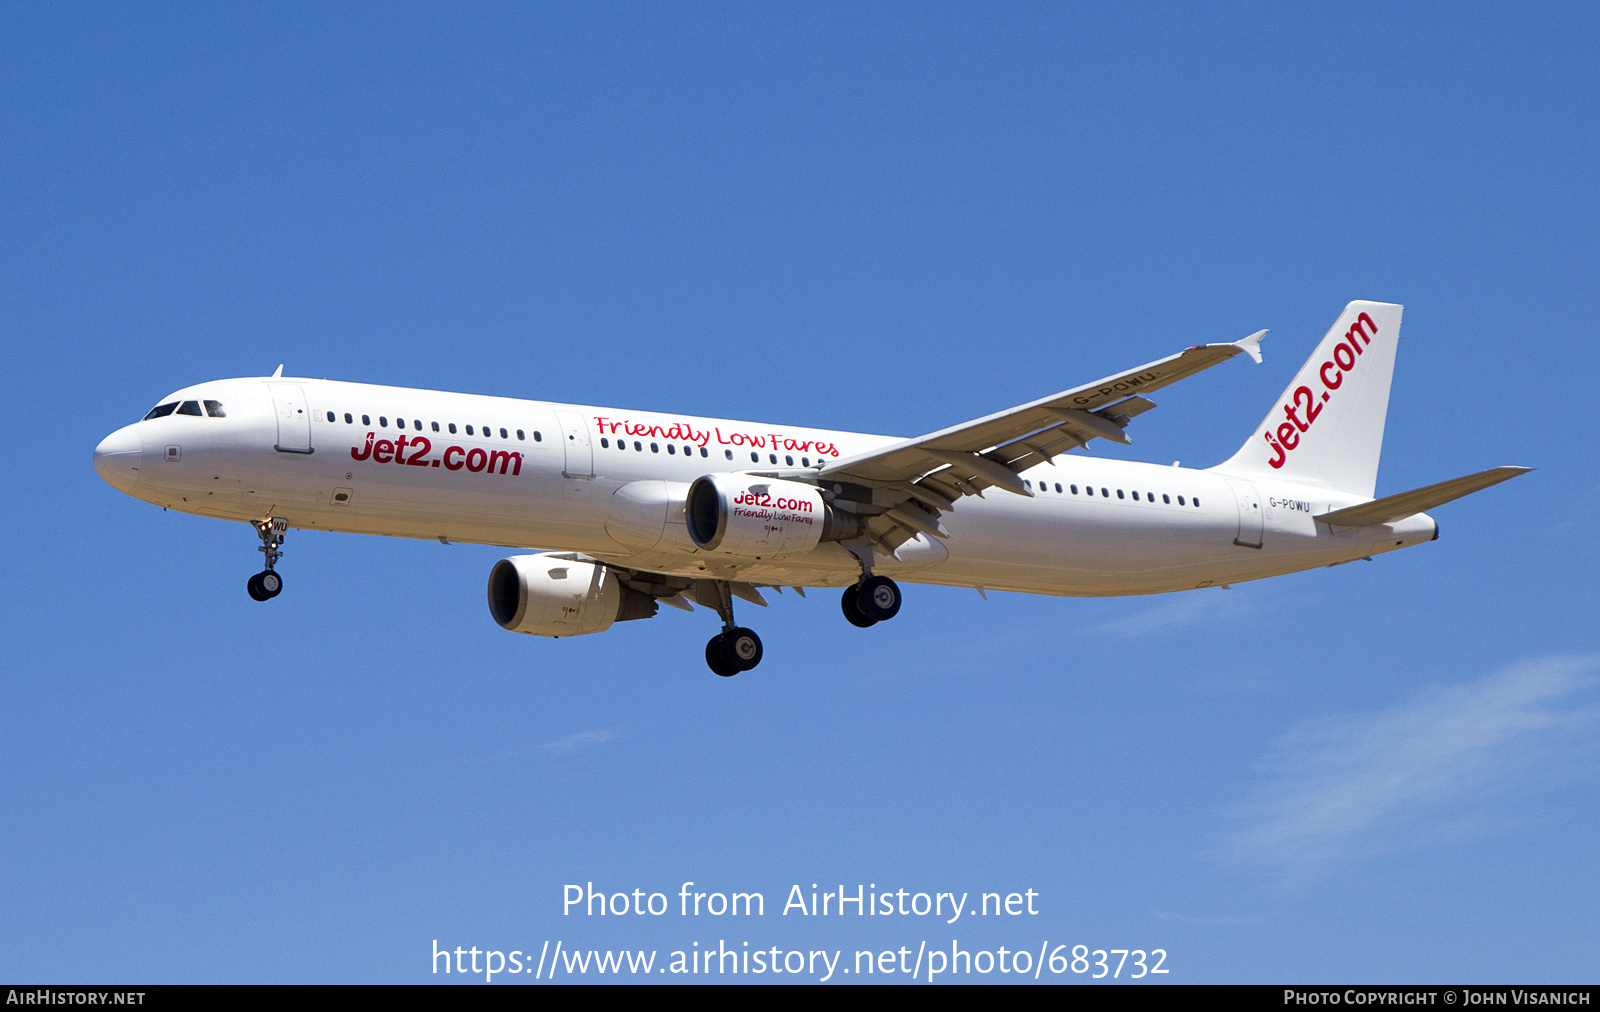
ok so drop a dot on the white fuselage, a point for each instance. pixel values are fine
(537, 475)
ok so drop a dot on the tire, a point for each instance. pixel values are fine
(253, 585)
(879, 599)
(715, 661)
(271, 584)
(741, 648)
(850, 604)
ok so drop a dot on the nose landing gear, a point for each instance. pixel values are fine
(267, 584)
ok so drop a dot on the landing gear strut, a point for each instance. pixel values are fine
(875, 599)
(735, 648)
(267, 584)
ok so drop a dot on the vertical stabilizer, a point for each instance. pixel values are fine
(1327, 427)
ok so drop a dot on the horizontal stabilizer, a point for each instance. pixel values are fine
(1397, 507)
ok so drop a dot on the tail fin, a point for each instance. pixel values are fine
(1327, 428)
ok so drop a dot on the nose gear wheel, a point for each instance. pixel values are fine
(267, 584)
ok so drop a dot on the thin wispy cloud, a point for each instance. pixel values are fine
(1430, 769)
(1177, 611)
(578, 740)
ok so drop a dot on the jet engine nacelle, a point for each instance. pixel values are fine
(552, 595)
(761, 518)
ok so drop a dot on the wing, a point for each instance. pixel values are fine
(903, 487)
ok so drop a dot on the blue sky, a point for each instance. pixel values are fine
(885, 219)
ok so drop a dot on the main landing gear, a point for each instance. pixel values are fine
(735, 648)
(267, 584)
(875, 599)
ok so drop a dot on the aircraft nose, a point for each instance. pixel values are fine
(118, 456)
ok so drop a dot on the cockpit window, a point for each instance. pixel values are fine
(161, 410)
(189, 408)
(214, 409)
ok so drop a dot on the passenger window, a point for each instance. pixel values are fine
(487, 432)
(605, 444)
(654, 448)
(536, 437)
(805, 461)
(1180, 501)
(1197, 502)
(399, 423)
(435, 426)
(330, 416)
(1088, 489)
(672, 448)
(638, 447)
(729, 453)
(755, 458)
(704, 452)
(1135, 496)
(1166, 499)
(383, 421)
(469, 430)
(366, 419)
(1058, 486)
(452, 427)
(189, 408)
(1026, 483)
(416, 423)
(788, 461)
(503, 434)
(161, 410)
(214, 409)
(520, 436)
(1104, 493)
(774, 457)
(347, 419)
(1120, 495)
(1074, 489)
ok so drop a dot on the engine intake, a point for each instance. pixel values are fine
(548, 595)
(762, 518)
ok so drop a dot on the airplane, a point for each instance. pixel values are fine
(624, 511)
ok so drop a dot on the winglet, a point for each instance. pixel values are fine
(1252, 345)
(279, 373)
